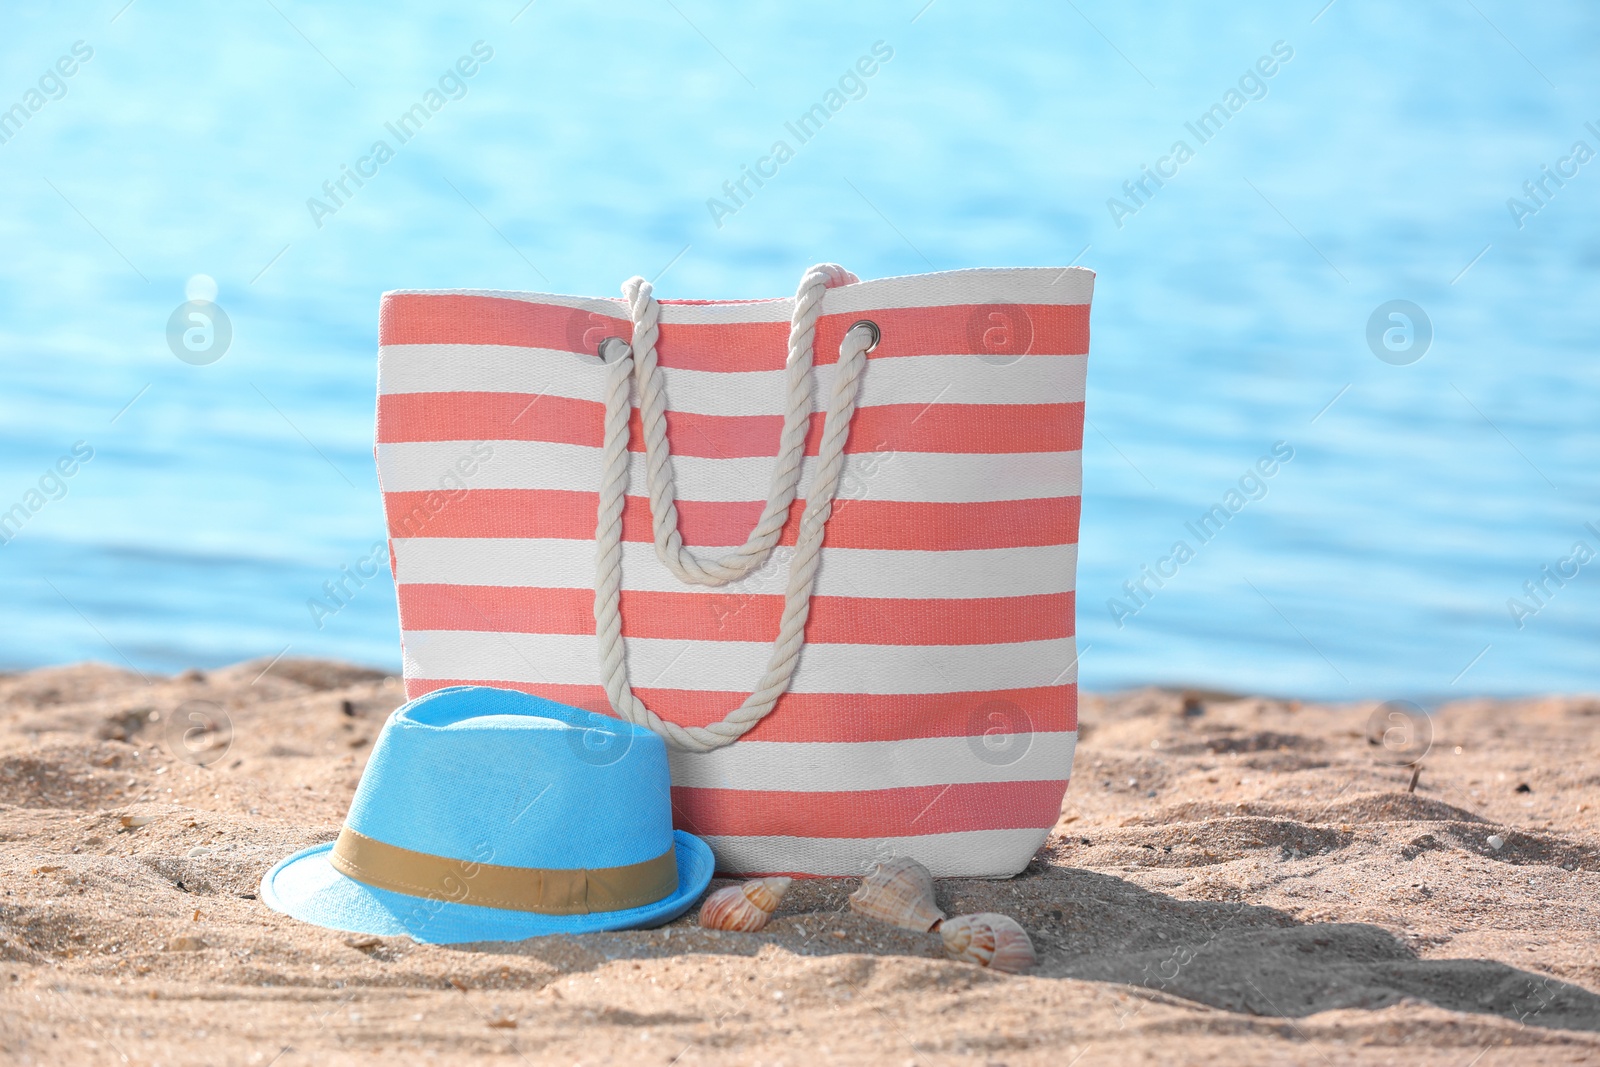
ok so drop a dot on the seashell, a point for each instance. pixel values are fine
(133, 822)
(989, 940)
(899, 892)
(743, 907)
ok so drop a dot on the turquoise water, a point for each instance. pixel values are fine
(1375, 163)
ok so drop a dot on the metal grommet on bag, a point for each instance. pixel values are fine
(877, 334)
(612, 350)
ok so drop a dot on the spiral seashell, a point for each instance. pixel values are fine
(899, 892)
(743, 907)
(989, 940)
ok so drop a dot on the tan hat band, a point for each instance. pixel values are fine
(549, 891)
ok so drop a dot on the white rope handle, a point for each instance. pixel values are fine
(626, 364)
(670, 549)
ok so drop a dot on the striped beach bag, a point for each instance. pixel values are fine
(825, 545)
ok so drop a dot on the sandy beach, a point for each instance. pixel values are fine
(1233, 879)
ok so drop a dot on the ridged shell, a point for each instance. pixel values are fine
(989, 940)
(899, 892)
(743, 907)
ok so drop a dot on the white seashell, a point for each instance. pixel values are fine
(989, 940)
(899, 892)
(1497, 842)
(743, 907)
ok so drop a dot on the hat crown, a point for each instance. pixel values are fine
(500, 777)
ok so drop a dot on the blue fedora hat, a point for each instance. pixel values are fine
(490, 815)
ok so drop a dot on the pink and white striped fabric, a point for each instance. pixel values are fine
(934, 710)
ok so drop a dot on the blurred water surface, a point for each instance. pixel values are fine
(1374, 164)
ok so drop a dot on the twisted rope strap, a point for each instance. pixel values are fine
(670, 549)
(637, 363)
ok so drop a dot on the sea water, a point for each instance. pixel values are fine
(1255, 184)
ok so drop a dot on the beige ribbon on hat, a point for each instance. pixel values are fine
(547, 890)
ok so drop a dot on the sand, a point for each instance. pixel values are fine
(1234, 880)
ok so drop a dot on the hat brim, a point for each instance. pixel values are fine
(305, 886)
